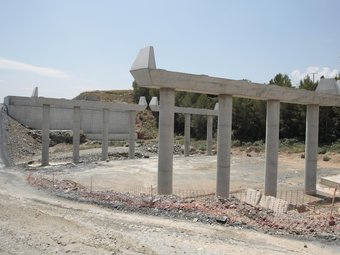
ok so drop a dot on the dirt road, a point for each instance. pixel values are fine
(33, 222)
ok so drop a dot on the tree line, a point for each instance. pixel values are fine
(249, 115)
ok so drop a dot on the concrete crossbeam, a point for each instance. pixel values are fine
(69, 104)
(157, 78)
(147, 75)
(184, 110)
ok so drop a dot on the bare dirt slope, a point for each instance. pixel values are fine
(33, 222)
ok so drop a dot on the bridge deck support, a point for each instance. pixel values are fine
(224, 145)
(45, 133)
(311, 149)
(272, 147)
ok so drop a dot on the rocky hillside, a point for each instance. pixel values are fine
(146, 123)
(107, 96)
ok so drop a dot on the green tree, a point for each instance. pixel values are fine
(291, 117)
(140, 91)
(249, 119)
(199, 122)
(308, 84)
(281, 80)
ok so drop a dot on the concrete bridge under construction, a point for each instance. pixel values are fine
(147, 75)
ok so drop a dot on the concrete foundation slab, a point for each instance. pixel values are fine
(331, 181)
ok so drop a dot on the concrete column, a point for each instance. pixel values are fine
(272, 147)
(166, 140)
(76, 133)
(224, 145)
(132, 135)
(45, 133)
(209, 133)
(187, 134)
(105, 134)
(311, 149)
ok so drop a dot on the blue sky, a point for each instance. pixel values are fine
(68, 46)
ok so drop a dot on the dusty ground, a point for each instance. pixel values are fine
(33, 222)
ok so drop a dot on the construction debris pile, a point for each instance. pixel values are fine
(308, 221)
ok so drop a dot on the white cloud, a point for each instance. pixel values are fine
(327, 72)
(20, 66)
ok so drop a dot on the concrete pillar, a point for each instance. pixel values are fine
(166, 140)
(272, 147)
(132, 135)
(209, 133)
(187, 134)
(105, 134)
(45, 133)
(76, 133)
(224, 145)
(311, 149)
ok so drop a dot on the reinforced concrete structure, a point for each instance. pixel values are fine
(188, 111)
(98, 120)
(147, 75)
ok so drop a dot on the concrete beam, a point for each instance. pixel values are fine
(76, 134)
(272, 147)
(209, 134)
(157, 78)
(132, 135)
(115, 136)
(166, 141)
(311, 149)
(45, 133)
(183, 110)
(69, 104)
(187, 134)
(224, 145)
(105, 136)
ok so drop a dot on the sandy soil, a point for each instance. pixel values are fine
(33, 222)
